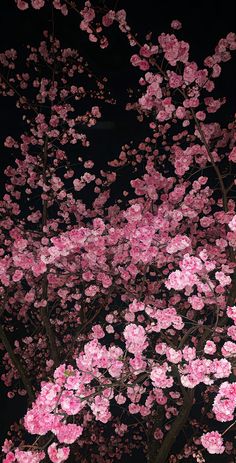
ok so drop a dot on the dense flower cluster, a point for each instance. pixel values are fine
(225, 402)
(213, 442)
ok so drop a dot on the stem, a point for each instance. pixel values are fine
(216, 168)
(17, 364)
(44, 312)
(176, 428)
(229, 427)
(18, 93)
(47, 325)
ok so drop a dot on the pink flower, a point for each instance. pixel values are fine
(38, 268)
(63, 8)
(210, 348)
(201, 116)
(7, 444)
(213, 442)
(232, 223)
(178, 243)
(196, 302)
(159, 376)
(225, 402)
(121, 429)
(120, 399)
(135, 60)
(221, 368)
(223, 279)
(174, 50)
(100, 408)
(58, 455)
(136, 306)
(28, 456)
(190, 72)
(17, 276)
(108, 19)
(10, 457)
(37, 4)
(229, 349)
(148, 51)
(134, 408)
(180, 112)
(78, 184)
(91, 290)
(135, 338)
(98, 332)
(173, 356)
(137, 363)
(232, 155)
(231, 331)
(231, 312)
(176, 24)
(22, 5)
(158, 434)
(179, 280)
(68, 433)
(189, 353)
(69, 402)
(9, 142)
(175, 80)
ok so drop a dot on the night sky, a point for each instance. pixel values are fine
(201, 27)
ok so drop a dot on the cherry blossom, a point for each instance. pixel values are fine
(126, 301)
(213, 442)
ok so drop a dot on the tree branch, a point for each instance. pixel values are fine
(47, 325)
(17, 364)
(44, 312)
(176, 428)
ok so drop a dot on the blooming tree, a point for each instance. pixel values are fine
(125, 307)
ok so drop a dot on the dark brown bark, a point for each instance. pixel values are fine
(44, 311)
(17, 364)
(175, 430)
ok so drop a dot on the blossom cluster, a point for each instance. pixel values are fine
(126, 304)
